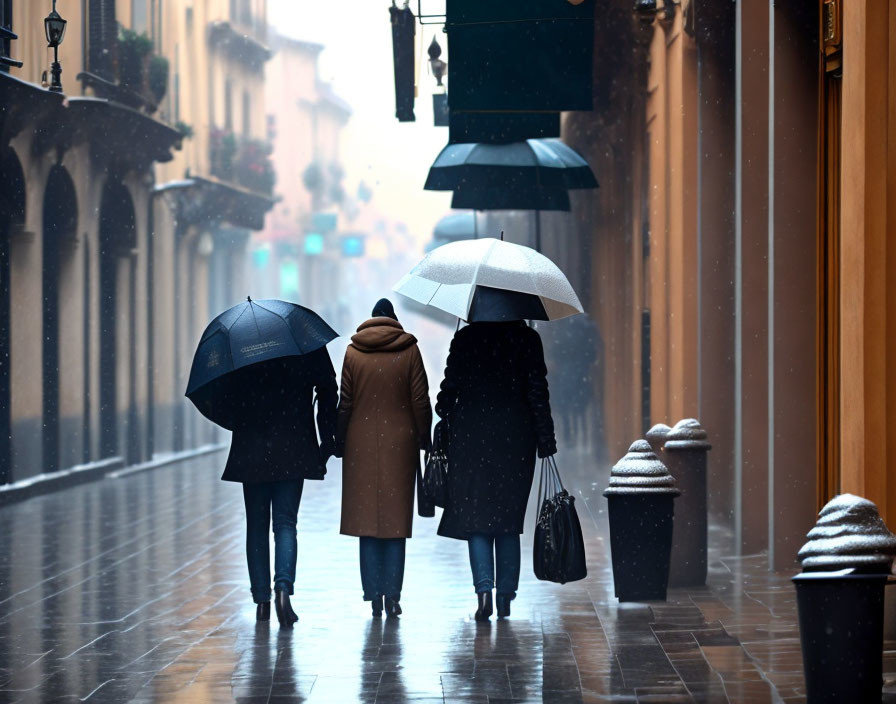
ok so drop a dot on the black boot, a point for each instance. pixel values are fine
(376, 606)
(392, 607)
(263, 611)
(485, 606)
(285, 614)
(502, 603)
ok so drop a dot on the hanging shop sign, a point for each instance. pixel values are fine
(403, 30)
(527, 55)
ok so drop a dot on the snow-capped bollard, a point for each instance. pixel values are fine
(640, 499)
(684, 453)
(840, 600)
(656, 436)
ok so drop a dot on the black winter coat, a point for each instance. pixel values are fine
(494, 400)
(275, 438)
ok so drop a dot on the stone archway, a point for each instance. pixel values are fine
(12, 217)
(117, 241)
(60, 219)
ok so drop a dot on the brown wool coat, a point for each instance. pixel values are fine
(383, 420)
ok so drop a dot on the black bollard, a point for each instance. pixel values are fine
(685, 454)
(656, 436)
(640, 499)
(840, 601)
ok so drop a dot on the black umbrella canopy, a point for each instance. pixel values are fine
(511, 197)
(499, 305)
(533, 162)
(248, 334)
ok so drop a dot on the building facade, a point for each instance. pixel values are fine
(738, 250)
(106, 279)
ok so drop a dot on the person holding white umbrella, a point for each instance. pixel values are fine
(494, 401)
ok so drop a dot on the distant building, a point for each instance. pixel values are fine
(297, 256)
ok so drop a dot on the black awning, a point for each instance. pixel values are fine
(207, 202)
(120, 134)
(24, 104)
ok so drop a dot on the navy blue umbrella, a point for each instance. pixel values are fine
(245, 335)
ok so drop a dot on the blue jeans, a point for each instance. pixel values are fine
(264, 500)
(490, 551)
(382, 567)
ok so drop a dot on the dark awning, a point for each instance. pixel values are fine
(208, 201)
(24, 104)
(122, 134)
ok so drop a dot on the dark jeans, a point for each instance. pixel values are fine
(382, 567)
(264, 500)
(490, 551)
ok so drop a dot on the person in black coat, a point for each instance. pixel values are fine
(496, 413)
(273, 450)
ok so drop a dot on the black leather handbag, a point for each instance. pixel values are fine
(559, 551)
(435, 480)
(425, 507)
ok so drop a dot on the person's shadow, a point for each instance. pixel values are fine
(253, 673)
(268, 667)
(381, 661)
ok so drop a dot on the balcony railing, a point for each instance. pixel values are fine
(6, 36)
(140, 76)
(243, 161)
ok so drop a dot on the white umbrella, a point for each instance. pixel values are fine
(453, 276)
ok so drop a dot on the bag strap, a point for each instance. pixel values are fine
(552, 464)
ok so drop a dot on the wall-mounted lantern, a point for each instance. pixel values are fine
(440, 111)
(54, 27)
(646, 11)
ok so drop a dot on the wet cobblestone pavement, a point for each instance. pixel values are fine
(135, 589)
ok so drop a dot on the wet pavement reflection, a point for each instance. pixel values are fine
(135, 589)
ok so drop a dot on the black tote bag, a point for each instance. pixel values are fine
(435, 480)
(559, 550)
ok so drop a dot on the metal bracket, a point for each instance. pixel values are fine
(428, 19)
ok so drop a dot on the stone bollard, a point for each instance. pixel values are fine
(840, 601)
(640, 500)
(685, 454)
(656, 436)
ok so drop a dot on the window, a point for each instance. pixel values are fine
(139, 16)
(228, 105)
(177, 83)
(155, 18)
(247, 113)
(6, 36)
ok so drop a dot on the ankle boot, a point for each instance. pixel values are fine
(376, 606)
(392, 607)
(285, 614)
(263, 611)
(502, 603)
(485, 606)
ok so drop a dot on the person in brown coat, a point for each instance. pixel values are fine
(383, 422)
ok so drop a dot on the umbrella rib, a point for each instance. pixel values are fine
(272, 312)
(242, 313)
(474, 283)
(254, 319)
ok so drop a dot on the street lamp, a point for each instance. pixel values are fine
(645, 10)
(436, 64)
(54, 26)
(441, 115)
